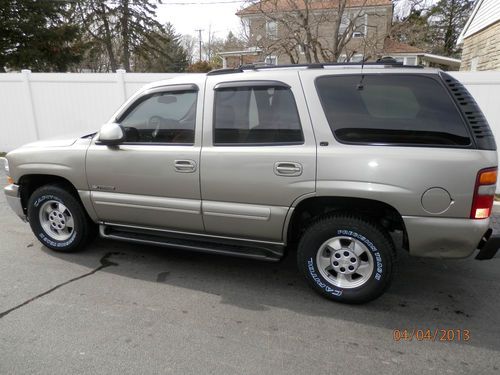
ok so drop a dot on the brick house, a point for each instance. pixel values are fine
(270, 28)
(275, 37)
(480, 38)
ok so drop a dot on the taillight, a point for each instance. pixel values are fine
(484, 193)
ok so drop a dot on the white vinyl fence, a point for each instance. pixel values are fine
(42, 105)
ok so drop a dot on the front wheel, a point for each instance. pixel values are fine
(58, 219)
(347, 258)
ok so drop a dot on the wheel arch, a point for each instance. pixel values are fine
(30, 182)
(310, 209)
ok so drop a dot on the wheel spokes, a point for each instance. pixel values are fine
(61, 207)
(334, 244)
(364, 269)
(343, 280)
(70, 223)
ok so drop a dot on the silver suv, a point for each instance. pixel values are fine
(345, 163)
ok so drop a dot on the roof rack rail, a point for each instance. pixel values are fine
(383, 62)
(224, 71)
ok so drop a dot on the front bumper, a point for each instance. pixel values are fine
(14, 200)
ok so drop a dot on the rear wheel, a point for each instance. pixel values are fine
(347, 258)
(58, 219)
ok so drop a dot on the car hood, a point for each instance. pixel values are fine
(61, 141)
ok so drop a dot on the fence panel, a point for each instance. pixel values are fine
(43, 105)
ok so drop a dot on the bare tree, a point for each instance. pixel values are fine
(190, 44)
(317, 30)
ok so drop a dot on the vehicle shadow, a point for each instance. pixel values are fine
(426, 293)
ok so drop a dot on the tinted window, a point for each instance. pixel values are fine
(391, 109)
(256, 115)
(162, 118)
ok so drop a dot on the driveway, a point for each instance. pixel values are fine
(127, 309)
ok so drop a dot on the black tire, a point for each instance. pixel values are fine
(347, 229)
(83, 230)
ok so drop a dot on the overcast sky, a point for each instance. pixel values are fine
(201, 14)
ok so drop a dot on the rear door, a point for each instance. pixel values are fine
(258, 155)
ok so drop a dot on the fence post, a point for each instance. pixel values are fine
(25, 74)
(120, 79)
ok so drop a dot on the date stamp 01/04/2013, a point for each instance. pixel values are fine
(434, 335)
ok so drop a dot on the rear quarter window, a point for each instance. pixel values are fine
(391, 109)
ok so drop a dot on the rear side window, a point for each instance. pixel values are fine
(391, 109)
(256, 116)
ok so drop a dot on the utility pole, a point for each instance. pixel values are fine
(199, 38)
(209, 45)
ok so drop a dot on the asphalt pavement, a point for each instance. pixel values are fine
(119, 308)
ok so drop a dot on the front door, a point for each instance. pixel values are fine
(152, 179)
(258, 155)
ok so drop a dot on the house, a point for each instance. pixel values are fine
(277, 34)
(480, 38)
(410, 55)
(277, 28)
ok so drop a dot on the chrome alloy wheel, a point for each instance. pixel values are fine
(56, 220)
(345, 262)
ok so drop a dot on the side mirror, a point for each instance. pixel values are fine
(111, 135)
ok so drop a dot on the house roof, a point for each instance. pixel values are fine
(393, 46)
(290, 5)
(485, 13)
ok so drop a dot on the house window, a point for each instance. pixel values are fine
(356, 58)
(271, 29)
(361, 24)
(410, 60)
(344, 24)
(271, 60)
(246, 26)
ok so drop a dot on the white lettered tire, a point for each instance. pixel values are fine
(347, 258)
(58, 219)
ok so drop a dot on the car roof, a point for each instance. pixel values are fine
(339, 68)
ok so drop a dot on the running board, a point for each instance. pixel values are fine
(223, 246)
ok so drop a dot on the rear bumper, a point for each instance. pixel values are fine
(14, 200)
(437, 237)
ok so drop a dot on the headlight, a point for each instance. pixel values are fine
(10, 180)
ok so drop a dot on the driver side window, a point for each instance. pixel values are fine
(164, 117)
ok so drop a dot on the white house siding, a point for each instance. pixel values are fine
(485, 13)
